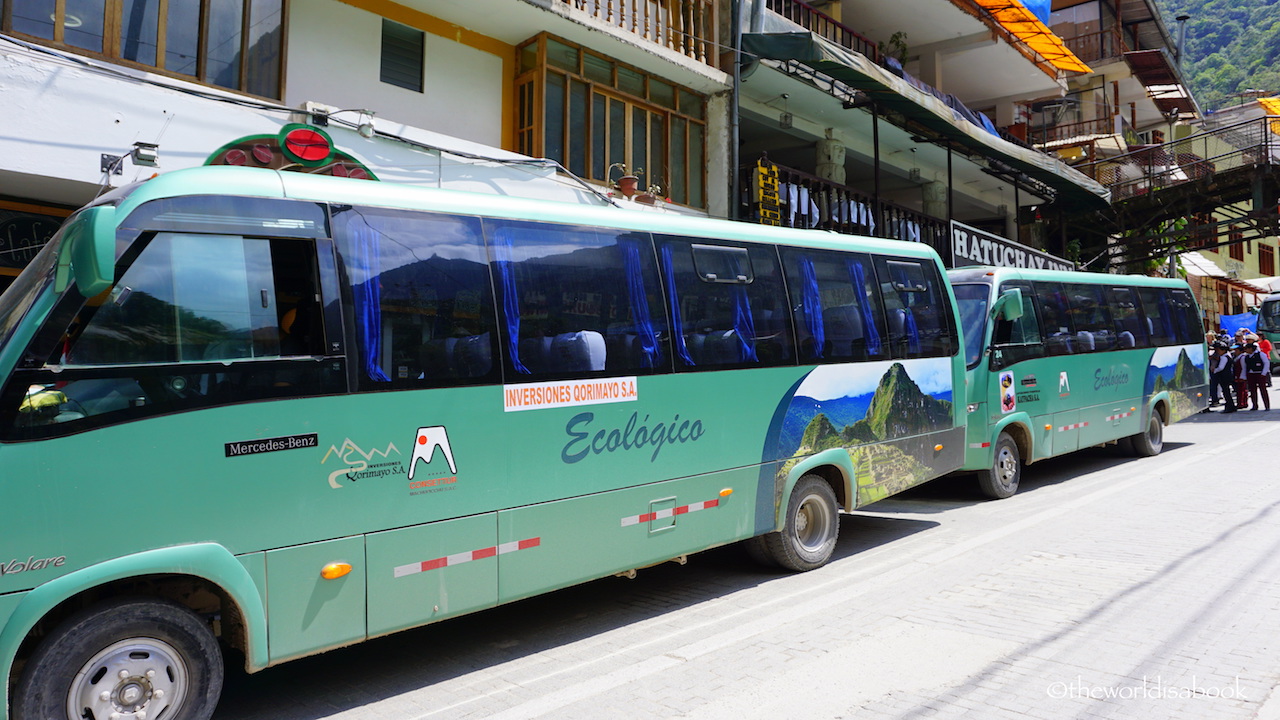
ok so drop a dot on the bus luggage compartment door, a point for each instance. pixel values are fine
(308, 612)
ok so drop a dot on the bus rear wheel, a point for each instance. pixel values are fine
(1001, 480)
(808, 538)
(129, 658)
(1151, 442)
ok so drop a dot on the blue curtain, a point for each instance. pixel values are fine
(510, 298)
(913, 334)
(677, 325)
(811, 304)
(634, 266)
(858, 277)
(909, 321)
(368, 297)
(743, 324)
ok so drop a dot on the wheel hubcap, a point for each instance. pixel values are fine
(812, 524)
(1006, 466)
(133, 679)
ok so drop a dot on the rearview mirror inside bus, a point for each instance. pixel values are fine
(89, 252)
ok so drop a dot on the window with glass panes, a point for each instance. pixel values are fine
(594, 115)
(234, 44)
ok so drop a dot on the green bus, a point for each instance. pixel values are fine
(1269, 325)
(284, 413)
(1060, 360)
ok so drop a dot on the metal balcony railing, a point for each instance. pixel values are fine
(1065, 131)
(808, 201)
(1242, 145)
(819, 23)
(687, 26)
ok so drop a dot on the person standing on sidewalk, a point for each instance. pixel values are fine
(1239, 378)
(1221, 377)
(1257, 369)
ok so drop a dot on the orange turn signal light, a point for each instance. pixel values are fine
(937, 448)
(1048, 427)
(726, 492)
(335, 570)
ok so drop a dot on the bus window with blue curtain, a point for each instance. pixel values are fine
(1160, 316)
(422, 302)
(837, 318)
(728, 304)
(577, 301)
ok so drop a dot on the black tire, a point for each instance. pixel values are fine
(808, 537)
(1151, 442)
(1001, 480)
(111, 649)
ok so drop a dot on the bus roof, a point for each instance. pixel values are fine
(994, 275)
(258, 182)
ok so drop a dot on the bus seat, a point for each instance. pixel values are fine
(695, 343)
(1126, 340)
(472, 355)
(898, 323)
(1084, 341)
(722, 347)
(1058, 344)
(843, 324)
(581, 351)
(437, 357)
(534, 352)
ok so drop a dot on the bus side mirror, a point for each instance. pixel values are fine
(1009, 305)
(88, 252)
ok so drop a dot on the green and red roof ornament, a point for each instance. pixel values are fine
(297, 147)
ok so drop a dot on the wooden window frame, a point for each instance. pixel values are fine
(531, 112)
(113, 14)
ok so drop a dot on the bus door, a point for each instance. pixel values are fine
(1022, 382)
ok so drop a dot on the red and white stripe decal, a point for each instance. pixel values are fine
(978, 446)
(669, 512)
(459, 558)
(1117, 417)
(1077, 426)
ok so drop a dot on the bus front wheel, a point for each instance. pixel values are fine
(127, 658)
(1001, 480)
(1151, 442)
(808, 537)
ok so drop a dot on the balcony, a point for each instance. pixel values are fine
(685, 26)
(808, 201)
(1097, 47)
(1072, 131)
(1240, 147)
(825, 26)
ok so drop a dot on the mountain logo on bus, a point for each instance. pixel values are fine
(360, 464)
(425, 444)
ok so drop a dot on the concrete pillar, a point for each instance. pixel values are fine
(830, 160)
(931, 69)
(935, 199)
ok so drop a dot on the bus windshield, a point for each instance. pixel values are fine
(972, 300)
(15, 301)
(1269, 315)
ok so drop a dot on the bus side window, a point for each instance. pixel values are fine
(1159, 315)
(721, 322)
(1091, 318)
(918, 313)
(188, 325)
(1019, 339)
(838, 317)
(577, 300)
(422, 305)
(1186, 320)
(1130, 327)
(1055, 316)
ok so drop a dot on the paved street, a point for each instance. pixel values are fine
(1107, 588)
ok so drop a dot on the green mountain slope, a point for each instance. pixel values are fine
(1232, 46)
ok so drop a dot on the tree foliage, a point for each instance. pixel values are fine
(1232, 46)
